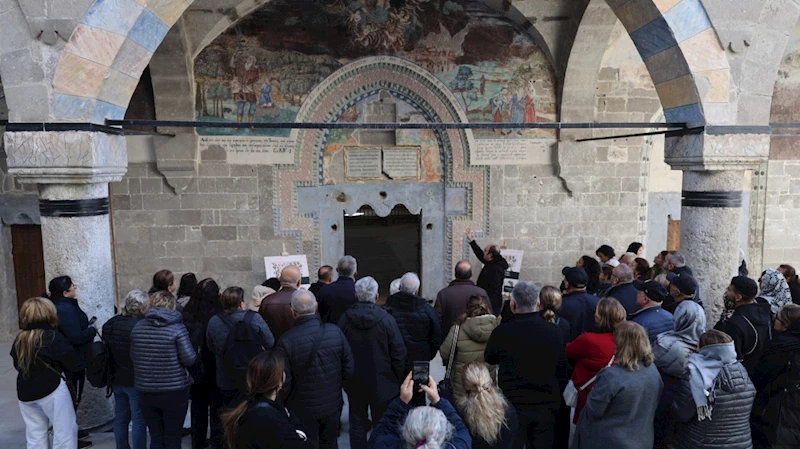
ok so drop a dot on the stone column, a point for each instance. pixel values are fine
(714, 162)
(72, 170)
(710, 212)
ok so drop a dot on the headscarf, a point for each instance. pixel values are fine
(259, 293)
(775, 290)
(704, 367)
(690, 323)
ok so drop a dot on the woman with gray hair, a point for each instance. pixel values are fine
(434, 427)
(117, 334)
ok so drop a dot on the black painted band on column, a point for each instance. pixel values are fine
(731, 198)
(73, 208)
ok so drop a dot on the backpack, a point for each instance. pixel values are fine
(98, 365)
(242, 344)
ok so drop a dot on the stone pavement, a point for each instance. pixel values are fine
(12, 428)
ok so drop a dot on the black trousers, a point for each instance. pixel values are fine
(360, 412)
(561, 440)
(206, 406)
(164, 414)
(536, 428)
(323, 433)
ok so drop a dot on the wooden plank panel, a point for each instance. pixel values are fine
(673, 235)
(28, 255)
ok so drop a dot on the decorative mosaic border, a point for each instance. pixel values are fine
(342, 89)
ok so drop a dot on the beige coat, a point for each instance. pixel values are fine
(472, 340)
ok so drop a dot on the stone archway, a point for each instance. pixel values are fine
(462, 199)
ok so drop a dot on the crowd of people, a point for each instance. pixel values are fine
(619, 355)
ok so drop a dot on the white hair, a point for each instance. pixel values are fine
(394, 287)
(676, 259)
(135, 302)
(427, 424)
(346, 267)
(366, 289)
(409, 283)
(624, 273)
(304, 302)
(526, 296)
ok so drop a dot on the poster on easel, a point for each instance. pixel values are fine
(275, 264)
(511, 276)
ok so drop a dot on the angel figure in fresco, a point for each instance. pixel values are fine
(244, 85)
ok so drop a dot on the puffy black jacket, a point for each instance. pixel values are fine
(117, 334)
(491, 276)
(161, 351)
(729, 426)
(419, 326)
(777, 377)
(40, 380)
(319, 394)
(74, 325)
(378, 351)
(750, 327)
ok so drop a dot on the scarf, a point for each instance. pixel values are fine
(775, 290)
(704, 367)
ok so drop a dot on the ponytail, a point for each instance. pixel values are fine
(549, 302)
(230, 422)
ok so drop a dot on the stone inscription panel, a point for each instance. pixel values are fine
(401, 163)
(512, 151)
(362, 163)
(249, 150)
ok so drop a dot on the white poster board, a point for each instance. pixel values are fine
(511, 277)
(275, 264)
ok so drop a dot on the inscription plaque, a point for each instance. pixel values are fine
(401, 163)
(362, 163)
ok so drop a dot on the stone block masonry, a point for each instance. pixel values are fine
(221, 226)
(782, 224)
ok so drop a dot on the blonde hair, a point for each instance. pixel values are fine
(609, 314)
(163, 299)
(549, 302)
(633, 346)
(482, 406)
(28, 342)
(715, 337)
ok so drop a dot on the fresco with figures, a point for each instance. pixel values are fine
(264, 66)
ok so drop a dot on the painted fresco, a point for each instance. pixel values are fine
(264, 67)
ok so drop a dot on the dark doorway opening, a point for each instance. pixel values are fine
(28, 255)
(385, 247)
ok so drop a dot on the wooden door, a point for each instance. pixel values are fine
(26, 249)
(673, 234)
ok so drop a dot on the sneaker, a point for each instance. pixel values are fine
(83, 444)
(82, 434)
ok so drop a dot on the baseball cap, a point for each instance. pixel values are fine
(576, 276)
(651, 289)
(683, 282)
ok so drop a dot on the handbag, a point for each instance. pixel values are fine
(571, 393)
(445, 386)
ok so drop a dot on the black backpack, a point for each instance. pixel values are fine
(242, 344)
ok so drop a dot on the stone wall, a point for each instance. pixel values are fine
(782, 224)
(221, 226)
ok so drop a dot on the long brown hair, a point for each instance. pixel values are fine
(264, 377)
(477, 305)
(633, 346)
(28, 342)
(162, 280)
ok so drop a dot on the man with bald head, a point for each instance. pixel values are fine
(493, 272)
(623, 289)
(276, 309)
(451, 301)
(318, 363)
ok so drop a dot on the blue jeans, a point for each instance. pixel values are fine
(127, 409)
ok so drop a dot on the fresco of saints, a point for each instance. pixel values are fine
(530, 104)
(517, 111)
(243, 86)
(498, 103)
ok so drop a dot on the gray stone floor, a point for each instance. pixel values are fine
(12, 428)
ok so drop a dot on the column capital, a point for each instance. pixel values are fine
(713, 148)
(66, 157)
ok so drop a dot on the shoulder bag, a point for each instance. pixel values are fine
(571, 393)
(445, 386)
(72, 393)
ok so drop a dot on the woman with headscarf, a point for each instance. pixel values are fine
(672, 350)
(714, 398)
(259, 293)
(775, 290)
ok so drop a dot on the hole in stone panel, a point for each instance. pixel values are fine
(335, 227)
(429, 226)
(341, 197)
(383, 195)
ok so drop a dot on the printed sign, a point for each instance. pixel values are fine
(511, 277)
(275, 264)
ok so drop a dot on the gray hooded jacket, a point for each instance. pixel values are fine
(161, 351)
(672, 349)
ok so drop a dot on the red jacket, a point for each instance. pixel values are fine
(591, 353)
